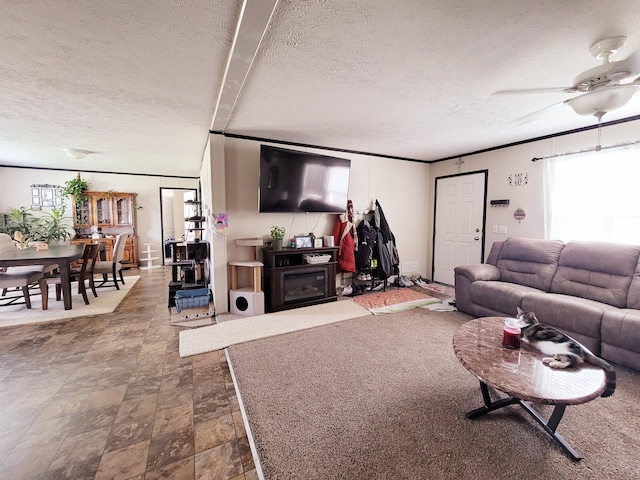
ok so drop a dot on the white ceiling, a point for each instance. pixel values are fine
(139, 83)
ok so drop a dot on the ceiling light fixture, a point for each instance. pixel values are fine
(602, 101)
(77, 153)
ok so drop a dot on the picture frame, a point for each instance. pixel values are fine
(304, 242)
(317, 243)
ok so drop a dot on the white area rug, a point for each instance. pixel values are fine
(225, 334)
(108, 299)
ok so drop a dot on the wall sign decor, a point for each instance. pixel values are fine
(519, 214)
(518, 179)
(220, 223)
(45, 195)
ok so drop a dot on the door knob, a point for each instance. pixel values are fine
(476, 238)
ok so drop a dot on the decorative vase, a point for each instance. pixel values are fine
(276, 243)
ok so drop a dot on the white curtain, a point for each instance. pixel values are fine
(594, 196)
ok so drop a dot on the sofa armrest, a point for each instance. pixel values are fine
(478, 272)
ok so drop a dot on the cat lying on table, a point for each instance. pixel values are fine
(564, 351)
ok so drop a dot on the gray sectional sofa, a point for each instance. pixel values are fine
(589, 290)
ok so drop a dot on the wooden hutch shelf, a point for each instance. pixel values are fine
(112, 213)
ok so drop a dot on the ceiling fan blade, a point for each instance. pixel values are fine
(533, 116)
(517, 91)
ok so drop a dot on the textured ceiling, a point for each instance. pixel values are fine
(138, 82)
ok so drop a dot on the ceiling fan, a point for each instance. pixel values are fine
(601, 89)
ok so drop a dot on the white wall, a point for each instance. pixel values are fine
(401, 187)
(15, 192)
(518, 159)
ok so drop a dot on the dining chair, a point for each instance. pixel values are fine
(114, 266)
(19, 278)
(80, 275)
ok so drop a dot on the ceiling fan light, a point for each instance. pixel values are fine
(602, 101)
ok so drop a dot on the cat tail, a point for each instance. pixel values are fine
(609, 373)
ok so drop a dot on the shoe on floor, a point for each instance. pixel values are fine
(418, 280)
(405, 281)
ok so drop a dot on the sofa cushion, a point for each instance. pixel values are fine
(530, 262)
(577, 317)
(633, 297)
(621, 337)
(596, 271)
(501, 297)
(494, 254)
(481, 271)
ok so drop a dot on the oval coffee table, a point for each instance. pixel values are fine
(522, 375)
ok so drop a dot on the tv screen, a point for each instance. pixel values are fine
(294, 181)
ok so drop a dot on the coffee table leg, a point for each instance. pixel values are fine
(549, 426)
(489, 405)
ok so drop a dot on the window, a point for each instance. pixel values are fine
(593, 196)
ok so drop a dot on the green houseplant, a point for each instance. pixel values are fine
(21, 220)
(76, 188)
(51, 227)
(48, 227)
(277, 234)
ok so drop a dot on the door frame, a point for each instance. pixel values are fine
(184, 189)
(485, 172)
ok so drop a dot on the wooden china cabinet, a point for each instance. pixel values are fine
(112, 213)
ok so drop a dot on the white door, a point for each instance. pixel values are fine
(459, 224)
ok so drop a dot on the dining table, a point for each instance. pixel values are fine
(62, 255)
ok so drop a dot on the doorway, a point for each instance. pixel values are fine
(172, 213)
(460, 213)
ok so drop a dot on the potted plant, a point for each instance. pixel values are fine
(49, 227)
(52, 227)
(277, 234)
(76, 188)
(21, 220)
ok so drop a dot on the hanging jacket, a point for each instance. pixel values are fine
(366, 243)
(387, 254)
(345, 243)
(353, 231)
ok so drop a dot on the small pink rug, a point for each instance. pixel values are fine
(438, 288)
(394, 300)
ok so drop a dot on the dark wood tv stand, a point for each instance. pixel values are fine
(290, 282)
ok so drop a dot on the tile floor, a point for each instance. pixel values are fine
(108, 397)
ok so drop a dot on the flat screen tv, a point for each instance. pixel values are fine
(295, 181)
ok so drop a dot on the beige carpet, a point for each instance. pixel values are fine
(384, 397)
(222, 335)
(108, 299)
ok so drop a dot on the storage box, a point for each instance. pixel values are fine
(195, 298)
(314, 258)
(193, 317)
